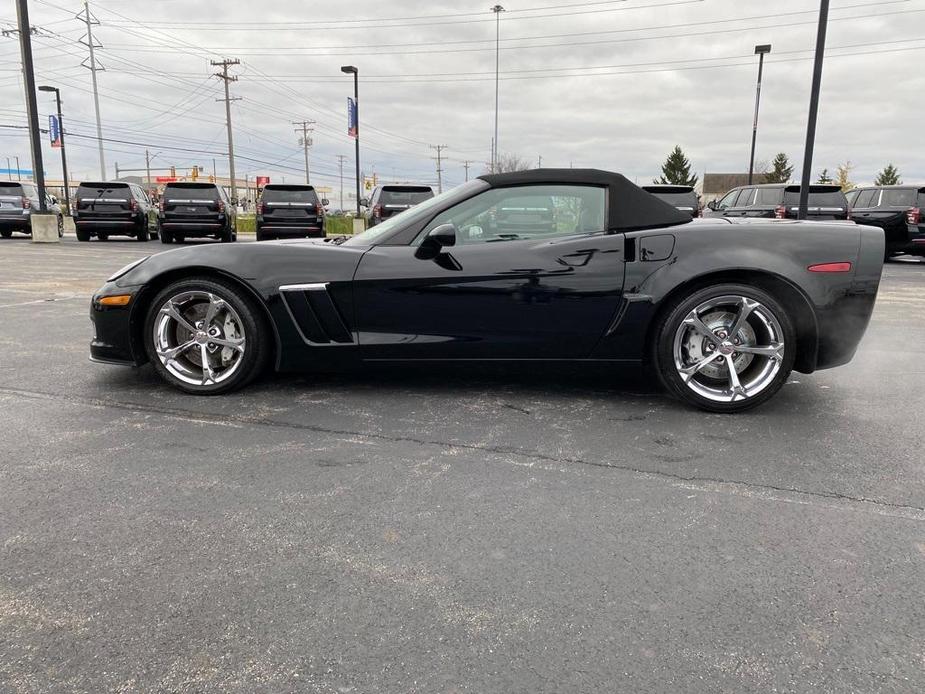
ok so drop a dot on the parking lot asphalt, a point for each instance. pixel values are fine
(439, 531)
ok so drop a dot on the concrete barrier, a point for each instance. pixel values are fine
(69, 226)
(44, 228)
(359, 225)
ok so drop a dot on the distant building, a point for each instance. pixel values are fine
(718, 184)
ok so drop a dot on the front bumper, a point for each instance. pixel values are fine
(113, 328)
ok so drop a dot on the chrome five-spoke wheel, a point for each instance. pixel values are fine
(729, 348)
(199, 338)
(726, 348)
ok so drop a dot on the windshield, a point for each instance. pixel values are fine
(423, 211)
(206, 190)
(683, 199)
(11, 189)
(404, 196)
(290, 194)
(103, 190)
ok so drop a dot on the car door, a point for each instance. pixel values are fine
(741, 206)
(495, 294)
(724, 203)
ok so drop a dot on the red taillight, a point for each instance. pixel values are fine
(377, 211)
(914, 216)
(221, 207)
(134, 205)
(26, 203)
(830, 267)
(160, 204)
(260, 207)
(780, 212)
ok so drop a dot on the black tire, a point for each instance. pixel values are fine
(165, 237)
(6, 233)
(672, 321)
(142, 234)
(262, 236)
(256, 332)
(83, 234)
(60, 227)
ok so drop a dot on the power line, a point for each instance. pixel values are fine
(305, 141)
(90, 21)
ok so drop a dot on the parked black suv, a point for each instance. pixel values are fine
(780, 201)
(18, 200)
(391, 199)
(196, 210)
(685, 198)
(898, 210)
(111, 209)
(285, 210)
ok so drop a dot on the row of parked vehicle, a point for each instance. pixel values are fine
(184, 210)
(899, 210)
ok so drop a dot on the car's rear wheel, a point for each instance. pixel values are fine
(60, 227)
(166, 237)
(82, 234)
(205, 337)
(6, 233)
(725, 348)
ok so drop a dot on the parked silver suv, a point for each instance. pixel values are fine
(18, 199)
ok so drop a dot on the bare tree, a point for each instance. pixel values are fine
(511, 162)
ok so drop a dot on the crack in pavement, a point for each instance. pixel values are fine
(225, 419)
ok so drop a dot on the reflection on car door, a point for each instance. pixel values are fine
(526, 299)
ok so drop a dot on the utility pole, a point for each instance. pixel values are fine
(226, 78)
(439, 149)
(539, 162)
(32, 107)
(466, 167)
(497, 9)
(18, 169)
(760, 51)
(813, 107)
(117, 171)
(340, 166)
(305, 141)
(148, 169)
(87, 40)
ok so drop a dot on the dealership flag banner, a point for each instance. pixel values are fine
(351, 117)
(54, 131)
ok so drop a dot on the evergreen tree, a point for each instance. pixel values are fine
(888, 177)
(824, 177)
(677, 170)
(781, 168)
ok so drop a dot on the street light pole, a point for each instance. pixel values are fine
(67, 192)
(497, 9)
(813, 108)
(32, 109)
(760, 51)
(351, 69)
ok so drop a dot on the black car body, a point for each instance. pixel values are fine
(685, 198)
(389, 200)
(898, 210)
(781, 201)
(289, 211)
(111, 209)
(195, 210)
(436, 285)
(18, 200)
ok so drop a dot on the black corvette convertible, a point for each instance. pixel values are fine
(585, 267)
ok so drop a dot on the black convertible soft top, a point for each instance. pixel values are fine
(630, 207)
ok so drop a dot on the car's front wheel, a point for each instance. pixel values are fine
(725, 348)
(205, 337)
(60, 227)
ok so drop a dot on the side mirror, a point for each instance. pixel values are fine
(364, 202)
(436, 240)
(325, 202)
(712, 205)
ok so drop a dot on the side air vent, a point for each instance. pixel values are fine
(315, 314)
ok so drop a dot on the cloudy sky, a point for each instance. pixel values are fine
(613, 85)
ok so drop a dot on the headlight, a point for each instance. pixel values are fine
(128, 267)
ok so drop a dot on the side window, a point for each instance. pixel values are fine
(865, 198)
(526, 212)
(746, 197)
(851, 196)
(728, 199)
(769, 196)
